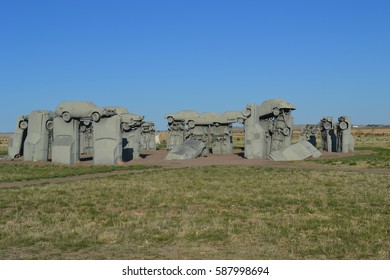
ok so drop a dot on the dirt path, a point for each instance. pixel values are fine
(157, 158)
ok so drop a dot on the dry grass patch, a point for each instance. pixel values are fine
(25, 171)
(201, 213)
(3, 150)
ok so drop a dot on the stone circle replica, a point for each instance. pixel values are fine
(111, 135)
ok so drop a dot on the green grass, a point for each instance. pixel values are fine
(162, 145)
(377, 143)
(3, 150)
(29, 171)
(201, 213)
(380, 140)
(380, 158)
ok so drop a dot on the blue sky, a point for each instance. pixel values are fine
(157, 57)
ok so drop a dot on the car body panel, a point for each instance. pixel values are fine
(127, 117)
(82, 109)
(267, 107)
(184, 115)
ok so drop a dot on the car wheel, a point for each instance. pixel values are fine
(87, 122)
(66, 116)
(95, 116)
(343, 125)
(170, 119)
(191, 124)
(49, 125)
(247, 112)
(125, 127)
(286, 131)
(23, 125)
(327, 125)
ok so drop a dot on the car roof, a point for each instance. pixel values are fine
(79, 103)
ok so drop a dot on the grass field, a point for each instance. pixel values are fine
(3, 150)
(25, 172)
(238, 212)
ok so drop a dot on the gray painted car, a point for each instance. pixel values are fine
(129, 119)
(82, 110)
(274, 107)
(216, 119)
(16, 142)
(184, 115)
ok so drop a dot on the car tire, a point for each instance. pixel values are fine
(286, 131)
(125, 127)
(95, 116)
(23, 125)
(247, 112)
(343, 125)
(66, 116)
(191, 124)
(87, 123)
(327, 125)
(49, 125)
(170, 119)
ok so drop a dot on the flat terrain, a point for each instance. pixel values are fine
(19, 173)
(216, 207)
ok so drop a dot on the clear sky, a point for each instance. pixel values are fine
(157, 57)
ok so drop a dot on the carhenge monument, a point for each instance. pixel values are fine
(345, 140)
(191, 134)
(334, 137)
(109, 135)
(269, 130)
(268, 133)
(268, 127)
